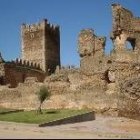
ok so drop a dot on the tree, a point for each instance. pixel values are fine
(43, 94)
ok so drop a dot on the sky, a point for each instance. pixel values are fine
(71, 15)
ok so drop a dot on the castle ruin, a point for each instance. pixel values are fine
(126, 28)
(109, 82)
(40, 54)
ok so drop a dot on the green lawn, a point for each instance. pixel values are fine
(33, 117)
(3, 110)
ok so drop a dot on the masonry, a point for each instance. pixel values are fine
(40, 54)
(41, 45)
(103, 82)
(15, 72)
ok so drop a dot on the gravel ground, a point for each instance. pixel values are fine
(101, 127)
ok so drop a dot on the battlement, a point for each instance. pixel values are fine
(42, 25)
(25, 63)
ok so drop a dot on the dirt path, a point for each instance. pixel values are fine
(102, 127)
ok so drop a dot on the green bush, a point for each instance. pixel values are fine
(43, 94)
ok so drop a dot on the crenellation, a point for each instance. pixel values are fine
(52, 30)
(20, 62)
(51, 25)
(28, 63)
(25, 63)
(31, 28)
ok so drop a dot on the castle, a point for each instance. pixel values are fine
(40, 54)
(104, 81)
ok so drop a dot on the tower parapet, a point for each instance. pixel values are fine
(54, 29)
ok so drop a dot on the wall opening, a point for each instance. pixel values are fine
(130, 44)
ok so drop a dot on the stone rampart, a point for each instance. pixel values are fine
(17, 72)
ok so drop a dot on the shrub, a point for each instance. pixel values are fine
(43, 94)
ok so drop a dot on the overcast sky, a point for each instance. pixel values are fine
(71, 15)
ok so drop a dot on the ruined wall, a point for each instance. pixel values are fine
(69, 89)
(126, 27)
(91, 51)
(89, 44)
(129, 103)
(21, 97)
(41, 45)
(103, 83)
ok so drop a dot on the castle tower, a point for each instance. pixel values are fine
(41, 45)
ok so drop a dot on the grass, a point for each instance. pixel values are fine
(34, 118)
(3, 110)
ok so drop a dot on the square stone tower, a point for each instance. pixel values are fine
(41, 45)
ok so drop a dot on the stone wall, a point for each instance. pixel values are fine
(125, 28)
(69, 89)
(129, 103)
(22, 97)
(14, 73)
(32, 37)
(52, 48)
(41, 45)
(89, 44)
(102, 83)
(91, 51)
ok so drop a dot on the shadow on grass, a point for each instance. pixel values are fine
(52, 112)
(10, 111)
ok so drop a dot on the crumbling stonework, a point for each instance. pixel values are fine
(126, 27)
(90, 44)
(129, 103)
(106, 84)
(91, 51)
